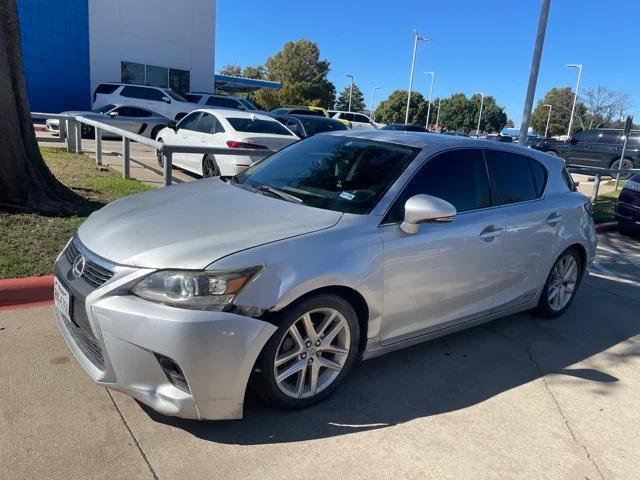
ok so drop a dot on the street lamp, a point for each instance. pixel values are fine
(546, 130)
(350, 89)
(480, 114)
(413, 65)
(373, 103)
(575, 97)
(433, 77)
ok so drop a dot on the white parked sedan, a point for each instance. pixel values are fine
(226, 129)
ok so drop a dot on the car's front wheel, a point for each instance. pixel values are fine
(624, 164)
(210, 167)
(159, 155)
(562, 284)
(312, 351)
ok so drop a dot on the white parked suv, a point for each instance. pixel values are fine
(205, 99)
(224, 128)
(161, 100)
(359, 121)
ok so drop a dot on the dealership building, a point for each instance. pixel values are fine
(70, 46)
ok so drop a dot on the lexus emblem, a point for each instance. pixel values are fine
(78, 266)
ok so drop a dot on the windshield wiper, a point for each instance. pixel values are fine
(278, 193)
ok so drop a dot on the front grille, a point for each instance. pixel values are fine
(87, 343)
(93, 274)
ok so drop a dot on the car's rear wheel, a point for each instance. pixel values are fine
(562, 284)
(210, 167)
(159, 156)
(313, 350)
(87, 131)
(624, 164)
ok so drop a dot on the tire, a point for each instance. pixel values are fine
(553, 307)
(309, 356)
(627, 163)
(156, 130)
(210, 167)
(159, 157)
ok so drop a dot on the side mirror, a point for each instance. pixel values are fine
(166, 99)
(425, 208)
(172, 125)
(113, 114)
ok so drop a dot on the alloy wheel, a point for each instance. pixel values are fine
(209, 168)
(624, 165)
(312, 353)
(564, 277)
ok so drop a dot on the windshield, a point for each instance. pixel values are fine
(103, 109)
(248, 104)
(332, 172)
(175, 95)
(257, 125)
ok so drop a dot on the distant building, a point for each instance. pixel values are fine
(69, 46)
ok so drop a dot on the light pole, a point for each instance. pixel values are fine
(373, 103)
(546, 129)
(575, 97)
(438, 115)
(433, 77)
(413, 65)
(480, 114)
(350, 89)
(533, 73)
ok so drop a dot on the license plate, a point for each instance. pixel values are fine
(61, 299)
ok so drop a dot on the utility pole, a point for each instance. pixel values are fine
(575, 97)
(480, 114)
(433, 77)
(533, 73)
(373, 103)
(350, 90)
(546, 130)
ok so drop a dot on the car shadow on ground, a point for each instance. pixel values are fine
(450, 373)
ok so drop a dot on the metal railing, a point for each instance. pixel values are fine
(598, 173)
(71, 131)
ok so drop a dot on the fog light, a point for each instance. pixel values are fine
(173, 372)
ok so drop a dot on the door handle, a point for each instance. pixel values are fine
(554, 219)
(491, 232)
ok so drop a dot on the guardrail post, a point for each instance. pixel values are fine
(62, 133)
(98, 146)
(71, 134)
(126, 148)
(596, 187)
(168, 161)
(78, 134)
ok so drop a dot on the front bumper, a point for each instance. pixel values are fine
(216, 351)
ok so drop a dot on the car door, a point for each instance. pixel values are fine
(580, 150)
(129, 118)
(185, 136)
(446, 273)
(533, 225)
(204, 135)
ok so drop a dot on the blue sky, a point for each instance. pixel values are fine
(477, 46)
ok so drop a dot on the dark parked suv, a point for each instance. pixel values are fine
(628, 206)
(594, 148)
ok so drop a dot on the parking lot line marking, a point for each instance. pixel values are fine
(619, 253)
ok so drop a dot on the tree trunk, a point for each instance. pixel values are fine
(26, 184)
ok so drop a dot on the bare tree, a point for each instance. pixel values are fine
(26, 184)
(603, 106)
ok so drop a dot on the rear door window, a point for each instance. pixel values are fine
(360, 118)
(513, 178)
(206, 123)
(133, 112)
(106, 88)
(190, 97)
(441, 177)
(257, 125)
(142, 93)
(223, 102)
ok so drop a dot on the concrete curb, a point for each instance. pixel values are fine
(606, 227)
(26, 292)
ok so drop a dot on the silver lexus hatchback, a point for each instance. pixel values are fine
(340, 247)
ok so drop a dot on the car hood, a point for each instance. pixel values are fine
(191, 225)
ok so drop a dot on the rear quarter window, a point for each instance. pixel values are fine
(513, 178)
(568, 180)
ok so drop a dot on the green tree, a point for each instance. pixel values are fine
(303, 76)
(393, 109)
(561, 101)
(357, 99)
(510, 123)
(461, 113)
(231, 70)
(258, 72)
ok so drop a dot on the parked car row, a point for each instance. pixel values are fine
(182, 296)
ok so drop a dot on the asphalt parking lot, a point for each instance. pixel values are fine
(516, 398)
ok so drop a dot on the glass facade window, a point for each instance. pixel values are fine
(157, 76)
(131, 72)
(55, 54)
(179, 80)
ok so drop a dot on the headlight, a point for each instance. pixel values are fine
(196, 290)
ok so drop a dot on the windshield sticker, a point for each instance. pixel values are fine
(347, 196)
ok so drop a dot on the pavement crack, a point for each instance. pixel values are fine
(559, 408)
(133, 437)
